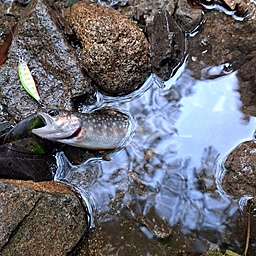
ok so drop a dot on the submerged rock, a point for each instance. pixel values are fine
(52, 61)
(43, 218)
(115, 51)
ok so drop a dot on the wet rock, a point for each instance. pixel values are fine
(23, 155)
(20, 165)
(247, 78)
(9, 15)
(234, 4)
(51, 60)
(115, 51)
(43, 218)
(232, 43)
(167, 43)
(187, 17)
(226, 40)
(239, 178)
(146, 9)
(219, 44)
(237, 7)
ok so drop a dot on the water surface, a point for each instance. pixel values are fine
(165, 181)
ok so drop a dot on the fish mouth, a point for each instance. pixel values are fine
(47, 130)
(44, 117)
(52, 131)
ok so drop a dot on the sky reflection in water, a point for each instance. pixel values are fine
(168, 173)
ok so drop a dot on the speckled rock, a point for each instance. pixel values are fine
(43, 218)
(52, 61)
(115, 51)
(239, 178)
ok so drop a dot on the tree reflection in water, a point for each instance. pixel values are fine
(165, 180)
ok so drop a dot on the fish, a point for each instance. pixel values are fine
(102, 129)
(27, 81)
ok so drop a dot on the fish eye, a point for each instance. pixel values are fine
(53, 112)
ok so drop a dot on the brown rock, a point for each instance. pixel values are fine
(187, 17)
(247, 77)
(231, 42)
(115, 51)
(167, 43)
(43, 218)
(146, 9)
(239, 178)
(43, 186)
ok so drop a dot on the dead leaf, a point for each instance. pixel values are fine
(24, 166)
(5, 47)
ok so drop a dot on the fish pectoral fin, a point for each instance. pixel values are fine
(81, 136)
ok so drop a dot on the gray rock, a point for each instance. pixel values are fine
(10, 203)
(39, 218)
(115, 51)
(51, 60)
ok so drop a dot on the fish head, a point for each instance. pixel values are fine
(59, 124)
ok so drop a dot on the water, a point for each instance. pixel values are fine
(237, 9)
(167, 181)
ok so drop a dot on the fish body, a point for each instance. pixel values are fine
(98, 130)
(27, 80)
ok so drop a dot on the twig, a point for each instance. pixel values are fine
(249, 205)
